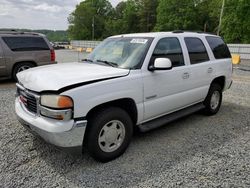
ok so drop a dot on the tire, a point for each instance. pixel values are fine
(21, 67)
(213, 100)
(109, 134)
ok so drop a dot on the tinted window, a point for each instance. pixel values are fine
(26, 43)
(197, 51)
(218, 47)
(169, 48)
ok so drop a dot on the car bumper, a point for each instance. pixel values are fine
(68, 134)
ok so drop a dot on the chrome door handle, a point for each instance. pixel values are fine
(209, 70)
(185, 75)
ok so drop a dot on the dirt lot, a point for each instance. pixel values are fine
(196, 151)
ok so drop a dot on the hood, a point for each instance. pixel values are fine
(58, 76)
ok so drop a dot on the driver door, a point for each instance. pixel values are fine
(166, 91)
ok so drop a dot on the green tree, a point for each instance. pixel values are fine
(124, 19)
(208, 15)
(236, 25)
(177, 15)
(147, 14)
(160, 15)
(114, 24)
(130, 17)
(89, 14)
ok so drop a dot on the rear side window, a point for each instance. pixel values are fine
(218, 47)
(26, 43)
(169, 48)
(196, 49)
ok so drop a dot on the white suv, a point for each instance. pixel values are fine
(129, 81)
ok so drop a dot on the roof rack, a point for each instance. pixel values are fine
(199, 32)
(178, 31)
(15, 32)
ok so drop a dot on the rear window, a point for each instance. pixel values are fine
(196, 49)
(218, 47)
(26, 43)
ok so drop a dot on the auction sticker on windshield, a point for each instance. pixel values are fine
(139, 41)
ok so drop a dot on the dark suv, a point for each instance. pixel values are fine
(23, 50)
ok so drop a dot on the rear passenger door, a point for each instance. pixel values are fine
(2, 62)
(201, 69)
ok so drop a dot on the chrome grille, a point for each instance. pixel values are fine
(29, 100)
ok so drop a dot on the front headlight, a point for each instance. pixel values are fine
(56, 101)
(56, 107)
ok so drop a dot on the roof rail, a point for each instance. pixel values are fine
(178, 31)
(15, 32)
(200, 32)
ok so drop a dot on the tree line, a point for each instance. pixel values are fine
(97, 19)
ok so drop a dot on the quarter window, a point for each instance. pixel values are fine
(26, 43)
(197, 51)
(219, 48)
(169, 48)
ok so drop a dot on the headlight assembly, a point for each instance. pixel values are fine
(56, 107)
(56, 101)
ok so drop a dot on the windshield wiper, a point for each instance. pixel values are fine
(89, 60)
(107, 63)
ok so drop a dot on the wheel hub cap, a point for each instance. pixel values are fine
(23, 68)
(215, 100)
(111, 136)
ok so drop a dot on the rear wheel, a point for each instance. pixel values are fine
(21, 67)
(213, 100)
(110, 132)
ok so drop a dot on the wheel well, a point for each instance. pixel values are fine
(20, 62)
(219, 80)
(126, 104)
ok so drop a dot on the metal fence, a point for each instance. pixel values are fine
(84, 43)
(242, 49)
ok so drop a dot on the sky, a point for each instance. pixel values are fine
(38, 14)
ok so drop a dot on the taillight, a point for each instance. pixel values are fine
(52, 55)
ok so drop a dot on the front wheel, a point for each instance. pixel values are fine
(110, 132)
(213, 100)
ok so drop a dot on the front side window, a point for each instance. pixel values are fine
(121, 52)
(26, 43)
(169, 48)
(196, 49)
(219, 48)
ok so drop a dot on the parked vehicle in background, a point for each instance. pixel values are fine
(59, 45)
(23, 50)
(140, 81)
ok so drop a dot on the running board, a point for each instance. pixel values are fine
(153, 124)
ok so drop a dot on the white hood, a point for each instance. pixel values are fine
(55, 77)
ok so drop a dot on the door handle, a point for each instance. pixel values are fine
(185, 75)
(209, 70)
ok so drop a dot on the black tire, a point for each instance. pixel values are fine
(210, 107)
(97, 123)
(18, 67)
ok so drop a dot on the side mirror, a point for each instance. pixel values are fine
(161, 64)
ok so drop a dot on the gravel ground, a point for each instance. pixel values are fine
(196, 151)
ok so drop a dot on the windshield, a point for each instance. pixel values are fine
(122, 52)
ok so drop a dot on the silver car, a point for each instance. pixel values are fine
(23, 50)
